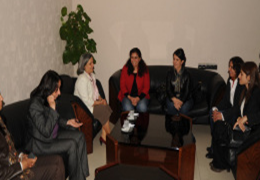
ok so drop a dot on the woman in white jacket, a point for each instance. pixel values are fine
(86, 89)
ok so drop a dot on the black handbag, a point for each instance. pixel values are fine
(224, 134)
(238, 136)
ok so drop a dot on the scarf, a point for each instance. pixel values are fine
(177, 82)
(13, 155)
(94, 86)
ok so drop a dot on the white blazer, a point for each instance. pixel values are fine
(84, 89)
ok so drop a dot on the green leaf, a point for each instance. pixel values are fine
(64, 11)
(89, 30)
(75, 59)
(86, 17)
(66, 57)
(79, 8)
(63, 33)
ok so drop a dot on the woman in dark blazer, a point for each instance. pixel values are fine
(134, 83)
(223, 111)
(178, 86)
(247, 112)
(19, 167)
(50, 134)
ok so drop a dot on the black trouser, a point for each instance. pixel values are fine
(73, 145)
(220, 156)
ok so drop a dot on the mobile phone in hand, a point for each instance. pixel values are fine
(31, 156)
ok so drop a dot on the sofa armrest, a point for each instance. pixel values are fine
(248, 157)
(100, 89)
(86, 128)
(114, 87)
(95, 123)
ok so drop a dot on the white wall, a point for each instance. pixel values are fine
(209, 31)
(29, 45)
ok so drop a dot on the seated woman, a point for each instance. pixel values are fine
(178, 86)
(86, 89)
(50, 134)
(230, 99)
(246, 112)
(134, 83)
(20, 166)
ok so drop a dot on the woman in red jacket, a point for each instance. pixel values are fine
(134, 83)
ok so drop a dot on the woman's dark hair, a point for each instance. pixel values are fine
(48, 84)
(250, 69)
(142, 68)
(237, 63)
(180, 53)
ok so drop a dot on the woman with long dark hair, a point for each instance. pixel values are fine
(23, 167)
(134, 83)
(246, 112)
(230, 99)
(50, 134)
(178, 86)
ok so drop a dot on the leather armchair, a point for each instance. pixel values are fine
(91, 125)
(248, 158)
(212, 87)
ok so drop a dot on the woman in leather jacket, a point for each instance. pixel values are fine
(178, 86)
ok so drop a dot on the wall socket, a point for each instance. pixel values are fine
(207, 66)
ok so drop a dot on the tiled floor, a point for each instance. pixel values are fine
(202, 169)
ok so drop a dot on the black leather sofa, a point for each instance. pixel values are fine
(209, 86)
(15, 114)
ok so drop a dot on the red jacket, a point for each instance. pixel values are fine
(126, 83)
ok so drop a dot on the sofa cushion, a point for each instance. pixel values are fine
(199, 109)
(154, 105)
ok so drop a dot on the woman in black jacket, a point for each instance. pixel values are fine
(178, 86)
(223, 112)
(246, 112)
(50, 134)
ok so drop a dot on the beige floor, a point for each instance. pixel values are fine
(202, 170)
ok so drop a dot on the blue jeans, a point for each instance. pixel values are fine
(184, 109)
(141, 105)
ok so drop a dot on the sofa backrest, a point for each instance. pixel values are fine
(158, 75)
(209, 81)
(68, 85)
(15, 118)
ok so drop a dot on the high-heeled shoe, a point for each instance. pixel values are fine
(217, 169)
(101, 140)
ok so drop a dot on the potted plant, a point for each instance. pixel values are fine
(75, 31)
